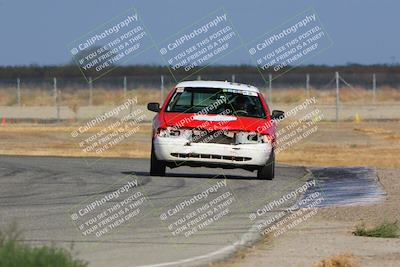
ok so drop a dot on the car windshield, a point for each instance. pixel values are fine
(216, 101)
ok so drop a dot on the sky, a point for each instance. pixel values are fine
(38, 32)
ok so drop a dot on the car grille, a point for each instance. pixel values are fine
(217, 137)
(209, 156)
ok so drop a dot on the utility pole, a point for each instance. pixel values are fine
(56, 98)
(90, 91)
(18, 92)
(162, 89)
(373, 88)
(308, 85)
(270, 88)
(337, 95)
(125, 87)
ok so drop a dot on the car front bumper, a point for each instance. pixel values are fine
(179, 150)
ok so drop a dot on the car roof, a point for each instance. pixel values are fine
(219, 84)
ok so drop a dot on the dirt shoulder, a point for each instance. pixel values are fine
(329, 233)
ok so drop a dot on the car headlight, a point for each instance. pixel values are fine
(252, 138)
(172, 132)
(266, 138)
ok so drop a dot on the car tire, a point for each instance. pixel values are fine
(267, 172)
(157, 167)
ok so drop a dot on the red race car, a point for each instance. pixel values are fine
(214, 124)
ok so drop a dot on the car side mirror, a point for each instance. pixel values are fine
(153, 107)
(277, 115)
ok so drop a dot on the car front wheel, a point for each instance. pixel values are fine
(157, 167)
(267, 172)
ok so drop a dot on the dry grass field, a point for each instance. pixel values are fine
(350, 144)
(75, 97)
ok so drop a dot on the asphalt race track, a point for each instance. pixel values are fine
(41, 193)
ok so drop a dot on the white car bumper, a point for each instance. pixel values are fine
(178, 150)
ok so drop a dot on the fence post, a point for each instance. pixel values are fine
(90, 91)
(19, 92)
(337, 95)
(162, 89)
(308, 85)
(56, 98)
(233, 78)
(125, 87)
(373, 88)
(270, 88)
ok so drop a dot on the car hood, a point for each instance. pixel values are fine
(218, 122)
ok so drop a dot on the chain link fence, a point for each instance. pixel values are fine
(356, 90)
